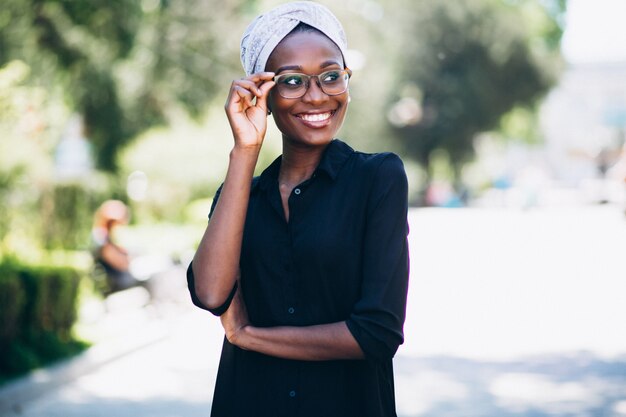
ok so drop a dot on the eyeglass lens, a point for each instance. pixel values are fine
(295, 85)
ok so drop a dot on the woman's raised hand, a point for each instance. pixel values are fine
(247, 116)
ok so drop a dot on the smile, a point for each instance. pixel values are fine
(315, 117)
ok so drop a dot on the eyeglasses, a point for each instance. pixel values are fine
(295, 85)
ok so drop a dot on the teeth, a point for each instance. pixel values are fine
(315, 117)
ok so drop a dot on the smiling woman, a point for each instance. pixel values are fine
(304, 111)
(307, 264)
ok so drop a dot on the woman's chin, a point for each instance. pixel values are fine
(309, 140)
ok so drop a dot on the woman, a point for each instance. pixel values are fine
(109, 255)
(307, 264)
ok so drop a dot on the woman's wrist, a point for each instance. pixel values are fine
(244, 156)
(239, 150)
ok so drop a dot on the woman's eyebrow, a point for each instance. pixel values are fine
(299, 68)
(329, 63)
(288, 67)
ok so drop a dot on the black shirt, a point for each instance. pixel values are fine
(343, 256)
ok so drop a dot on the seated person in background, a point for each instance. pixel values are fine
(113, 258)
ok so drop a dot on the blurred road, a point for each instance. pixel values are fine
(511, 313)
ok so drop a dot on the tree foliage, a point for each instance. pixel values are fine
(121, 63)
(468, 63)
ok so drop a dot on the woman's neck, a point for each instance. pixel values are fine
(298, 164)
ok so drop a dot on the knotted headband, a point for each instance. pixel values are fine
(268, 29)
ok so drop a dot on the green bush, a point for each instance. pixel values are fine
(68, 210)
(39, 308)
(12, 299)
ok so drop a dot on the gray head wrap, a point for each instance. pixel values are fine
(268, 29)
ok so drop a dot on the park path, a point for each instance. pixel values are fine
(510, 313)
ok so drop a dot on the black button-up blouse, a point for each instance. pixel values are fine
(343, 256)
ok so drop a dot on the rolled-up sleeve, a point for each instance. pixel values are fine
(191, 282)
(377, 318)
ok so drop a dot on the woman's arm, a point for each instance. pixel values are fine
(310, 343)
(114, 256)
(216, 262)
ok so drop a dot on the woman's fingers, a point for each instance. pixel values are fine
(249, 85)
(256, 85)
(265, 89)
(243, 94)
(261, 76)
(246, 107)
(254, 81)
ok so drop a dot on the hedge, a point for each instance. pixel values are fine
(39, 308)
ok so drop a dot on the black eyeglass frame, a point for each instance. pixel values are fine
(307, 81)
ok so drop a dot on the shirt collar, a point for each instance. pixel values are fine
(270, 174)
(335, 156)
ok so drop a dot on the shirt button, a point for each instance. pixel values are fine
(292, 394)
(291, 310)
(297, 191)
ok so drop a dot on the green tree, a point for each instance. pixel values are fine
(465, 65)
(121, 64)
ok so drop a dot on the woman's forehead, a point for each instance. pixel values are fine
(305, 49)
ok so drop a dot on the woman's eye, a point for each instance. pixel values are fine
(292, 81)
(330, 77)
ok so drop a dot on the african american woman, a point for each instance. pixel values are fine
(307, 264)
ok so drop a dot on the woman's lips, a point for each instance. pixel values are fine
(316, 120)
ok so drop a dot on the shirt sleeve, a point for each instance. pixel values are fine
(217, 311)
(191, 283)
(377, 319)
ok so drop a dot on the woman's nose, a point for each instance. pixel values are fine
(314, 93)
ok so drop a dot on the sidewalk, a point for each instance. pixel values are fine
(120, 326)
(122, 332)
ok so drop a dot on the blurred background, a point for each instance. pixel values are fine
(510, 116)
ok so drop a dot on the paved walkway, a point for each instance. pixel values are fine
(510, 314)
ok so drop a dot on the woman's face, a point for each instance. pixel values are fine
(314, 118)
